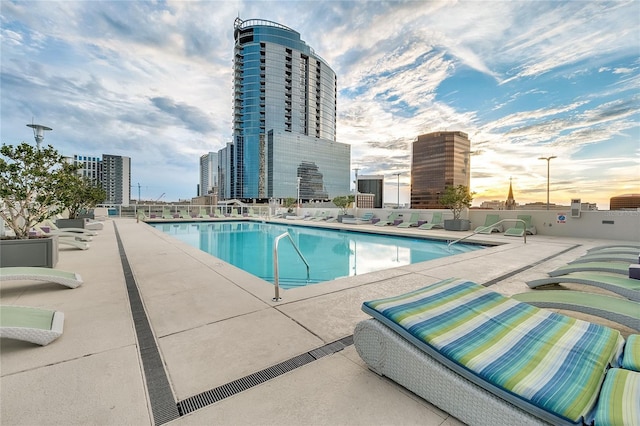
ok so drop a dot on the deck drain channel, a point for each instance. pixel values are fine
(163, 403)
(524, 268)
(219, 393)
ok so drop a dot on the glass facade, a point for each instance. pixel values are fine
(284, 118)
(208, 173)
(438, 160)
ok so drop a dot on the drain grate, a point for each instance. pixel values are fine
(163, 405)
(211, 396)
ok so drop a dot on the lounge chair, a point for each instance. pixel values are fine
(390, 219)
(203, 214)
(93, 225)
(520, 228)
(184, 214)
(613, 257)
(54, 227)
(616, 246)
(314, 216)
(322, 216)
(68, 279)
(73, 242)
(218, 214)
(62, 234)
(251, 213)
(488, 359)
(626, 287)
(622, 311)
(489, 225)
(613, 267)
(614, 250)
(365, 218)
(436, 222)
(35, 325)
(234, 213)
(413, 221)
(166, 214)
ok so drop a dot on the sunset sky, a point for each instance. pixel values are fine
(525, 79)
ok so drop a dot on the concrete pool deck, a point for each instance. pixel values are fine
(214, 324)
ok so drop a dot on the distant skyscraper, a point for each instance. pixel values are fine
(439, 160)
(372, 184)
(116, 179)
(208, 173)
(113, 172)
(284, 122)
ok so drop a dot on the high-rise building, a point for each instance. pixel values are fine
(372, 184)
(208, 173)
(116, 179)
(284, 120)
(113, 172)
(439, 160)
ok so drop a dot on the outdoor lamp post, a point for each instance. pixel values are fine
(38, 132)
(356, 198)
(398, 175)
(298, 206)
(548, 162)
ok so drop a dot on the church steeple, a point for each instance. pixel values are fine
(510, 204)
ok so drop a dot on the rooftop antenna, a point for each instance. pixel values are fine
(38, 132)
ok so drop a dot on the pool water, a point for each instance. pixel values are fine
(330, 253)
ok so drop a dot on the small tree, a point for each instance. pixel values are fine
(289, 203)
(456, 198)
(32, 185)
(343, 202)
(82, 194)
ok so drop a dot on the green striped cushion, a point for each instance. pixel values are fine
(631, 357)
(619, 402)
(555, 362)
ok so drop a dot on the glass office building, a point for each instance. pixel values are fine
(284, 119)
(208, 173)
(438, 160)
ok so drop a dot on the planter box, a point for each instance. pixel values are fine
(70, 223)
(42, 252)
(341, 216)
(457, 224)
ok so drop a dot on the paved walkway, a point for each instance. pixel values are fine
(211, 325)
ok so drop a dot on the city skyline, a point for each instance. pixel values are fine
(153, 82)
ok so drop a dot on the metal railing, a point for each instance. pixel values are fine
(275, 263)
(491, 226)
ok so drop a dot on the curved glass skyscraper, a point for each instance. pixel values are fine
(284, 119)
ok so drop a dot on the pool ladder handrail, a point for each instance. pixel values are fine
(490, 226)
(275, 262)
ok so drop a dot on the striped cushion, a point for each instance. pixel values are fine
(552, 361)
(631, 358)
(619, 399)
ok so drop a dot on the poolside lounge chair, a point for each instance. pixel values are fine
(413, 221)
(612, 257)
(489, 225)
(63, 234)
(614, 250)
(55, 227)
(73, 242)
(184, 214)
(520, 228)
(390, 219)
(622, 311)
(613, 267)
(166, 214)
(203, 214)
(35, 325)
(365, 218)
(616, 246)
(218, 214)
(626, 287)
(234, 213)
(315, 215)
(436, 222)
(93, 225)
(322, 216)
(454, 343)
(68, 279)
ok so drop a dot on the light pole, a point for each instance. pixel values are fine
(298, 206)
(355, 212)
(398, 175)
(38, 132)
(548, 163)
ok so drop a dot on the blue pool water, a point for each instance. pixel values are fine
(330, 253)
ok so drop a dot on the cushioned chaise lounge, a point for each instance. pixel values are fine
(69, 279)
(491, 360)
(35, 325)
(622, 311)
(616, 283)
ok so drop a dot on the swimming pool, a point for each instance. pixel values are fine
(330, 253)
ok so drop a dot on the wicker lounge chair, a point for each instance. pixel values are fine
(454, 343)
(613, 267)
(69, 279)
(615, 283)
(622, 311)
(35, 325)
(436, 222)
(413, 221)
(489, 225)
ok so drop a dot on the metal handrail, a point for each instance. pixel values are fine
(275, 263)
(490, 226)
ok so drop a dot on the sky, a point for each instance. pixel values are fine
(524, 79)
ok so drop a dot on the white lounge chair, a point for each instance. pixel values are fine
(35, 325)
(68, 279)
